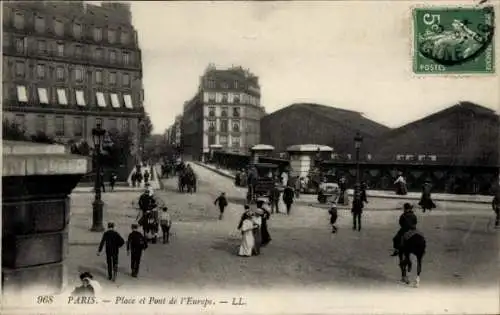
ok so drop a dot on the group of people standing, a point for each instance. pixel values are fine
(254, 230)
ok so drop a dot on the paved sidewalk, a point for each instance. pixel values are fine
(379, 193)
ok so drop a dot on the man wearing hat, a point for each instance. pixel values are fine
(113, 242)
(136, 243)
(407, 222)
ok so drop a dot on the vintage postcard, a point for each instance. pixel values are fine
(250, 157)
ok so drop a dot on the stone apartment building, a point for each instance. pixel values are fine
(68, 66)
(225, 111)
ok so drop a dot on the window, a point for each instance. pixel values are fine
(112, 56)
(98, 122)
(60, 49)
(80, 98)
(78, 51)
(78, 127)
(59, 126)
(20, 120)
(236, 126)
(42, 46)
(399, 157)
(40, 71)
(128, 101)
(223, 125)
(126, 79)
(211, 139)
(98, 53)
(211, 84)
(77, 30)
(115, 102)
(78, 74)
(225, 85)
(224, 112)
(236, 84)
(349, 157)
(19, 20)
(98, 76)
(421, 157)
(111, 36)
(125, 125)
(224, 97)
(40, 125)
(112, 78)
(59, 27)
(236, 98)
(97, 34)
(236, 112)
(20, 69)
(223, 140)
(211, 97)
(433, 157)
(235, 141)
(40, 24)
(211, 112)
(20, 44)
(211, 126)
(61, 97)
(126, 57)
(60, 74)
(124, 37)
(101, 101)
(43, 96)
(22, 95)
(409, 157)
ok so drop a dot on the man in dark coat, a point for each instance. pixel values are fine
(274, 199)
(136, 243)
(221, 201)
(113, 242)
(288, 195)
(407, 222)
(112, 181)
(425, 200)
(357, 208)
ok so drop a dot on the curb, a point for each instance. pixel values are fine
(369, 196)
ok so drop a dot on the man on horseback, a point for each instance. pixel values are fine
(407, 222)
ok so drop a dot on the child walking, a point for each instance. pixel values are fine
(165, 223)
(333, 217)
(222, 202)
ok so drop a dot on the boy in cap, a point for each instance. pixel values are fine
(113, 242)
(165, 223)
(222, 202)
(136, 243)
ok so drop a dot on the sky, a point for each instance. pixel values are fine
(353, 55)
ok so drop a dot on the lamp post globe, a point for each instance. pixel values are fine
(98, 205)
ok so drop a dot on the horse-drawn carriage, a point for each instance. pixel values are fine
(261, 181)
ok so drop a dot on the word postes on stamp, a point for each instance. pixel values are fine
(453, 40)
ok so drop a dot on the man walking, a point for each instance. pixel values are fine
(113, 242)
(221, 201)
(165, 223)
(288, 195)
(274, 199)
(136, 243)
(357, 209)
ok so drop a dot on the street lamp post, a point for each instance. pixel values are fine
(97, 206)
(358, 139)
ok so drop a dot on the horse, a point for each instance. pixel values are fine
(149, 222)
(413, 243)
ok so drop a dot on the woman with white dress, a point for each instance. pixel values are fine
(247, 242)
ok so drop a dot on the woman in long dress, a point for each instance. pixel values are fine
(247, 239)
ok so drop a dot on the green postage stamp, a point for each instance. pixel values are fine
(453, 40)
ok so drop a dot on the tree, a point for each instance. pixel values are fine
(13, 131)
(146, 126)
(118, 153)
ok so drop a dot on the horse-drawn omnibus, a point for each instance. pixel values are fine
(264, 182)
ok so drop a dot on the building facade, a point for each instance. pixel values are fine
(225, 111)
(307, 123)
(173, 133)
(68, 66)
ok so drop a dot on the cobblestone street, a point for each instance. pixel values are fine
(462, 244)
